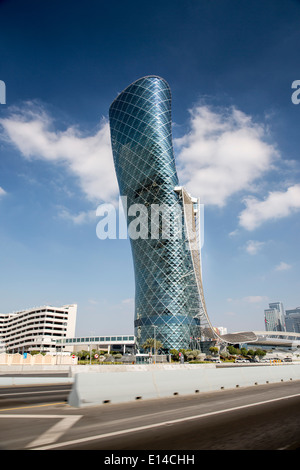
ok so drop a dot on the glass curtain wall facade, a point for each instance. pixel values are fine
(292, 320)
(274, 317)
(169, 301)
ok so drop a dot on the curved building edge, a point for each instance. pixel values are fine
(138, 80)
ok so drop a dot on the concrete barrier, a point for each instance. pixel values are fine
(98, 388)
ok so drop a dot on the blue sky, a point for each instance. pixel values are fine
(230, 65)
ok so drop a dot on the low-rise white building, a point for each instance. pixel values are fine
(37, 328)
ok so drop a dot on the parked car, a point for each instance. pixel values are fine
(241, 359)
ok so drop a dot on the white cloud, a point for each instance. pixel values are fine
(253, 246)
(2, 192)
(89, 158)
(283, 266)
(234, 233)
(224, 153)
(77, 219)
(253, 299)
(278, 204)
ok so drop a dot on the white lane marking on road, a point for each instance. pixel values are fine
(53, 433)
(156, 425)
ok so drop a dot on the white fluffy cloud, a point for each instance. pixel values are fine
(89, 158)
(224, 153)
(277, 204)
(254, 246)
(283, 266)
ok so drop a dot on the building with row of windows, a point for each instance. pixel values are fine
(36, 328)
(278, 319)
(125, 344)
(292, 320)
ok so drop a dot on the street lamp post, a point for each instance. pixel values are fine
(154, 327)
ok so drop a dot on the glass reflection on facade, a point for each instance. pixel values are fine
(169, 301)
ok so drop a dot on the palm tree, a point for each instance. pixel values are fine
(151, 343)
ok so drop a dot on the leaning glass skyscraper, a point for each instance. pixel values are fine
(169, 300)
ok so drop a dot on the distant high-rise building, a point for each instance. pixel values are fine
(169, 300)
(274, 317)
(292, 320)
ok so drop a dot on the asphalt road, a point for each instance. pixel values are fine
(12, 397)
(265, 417)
